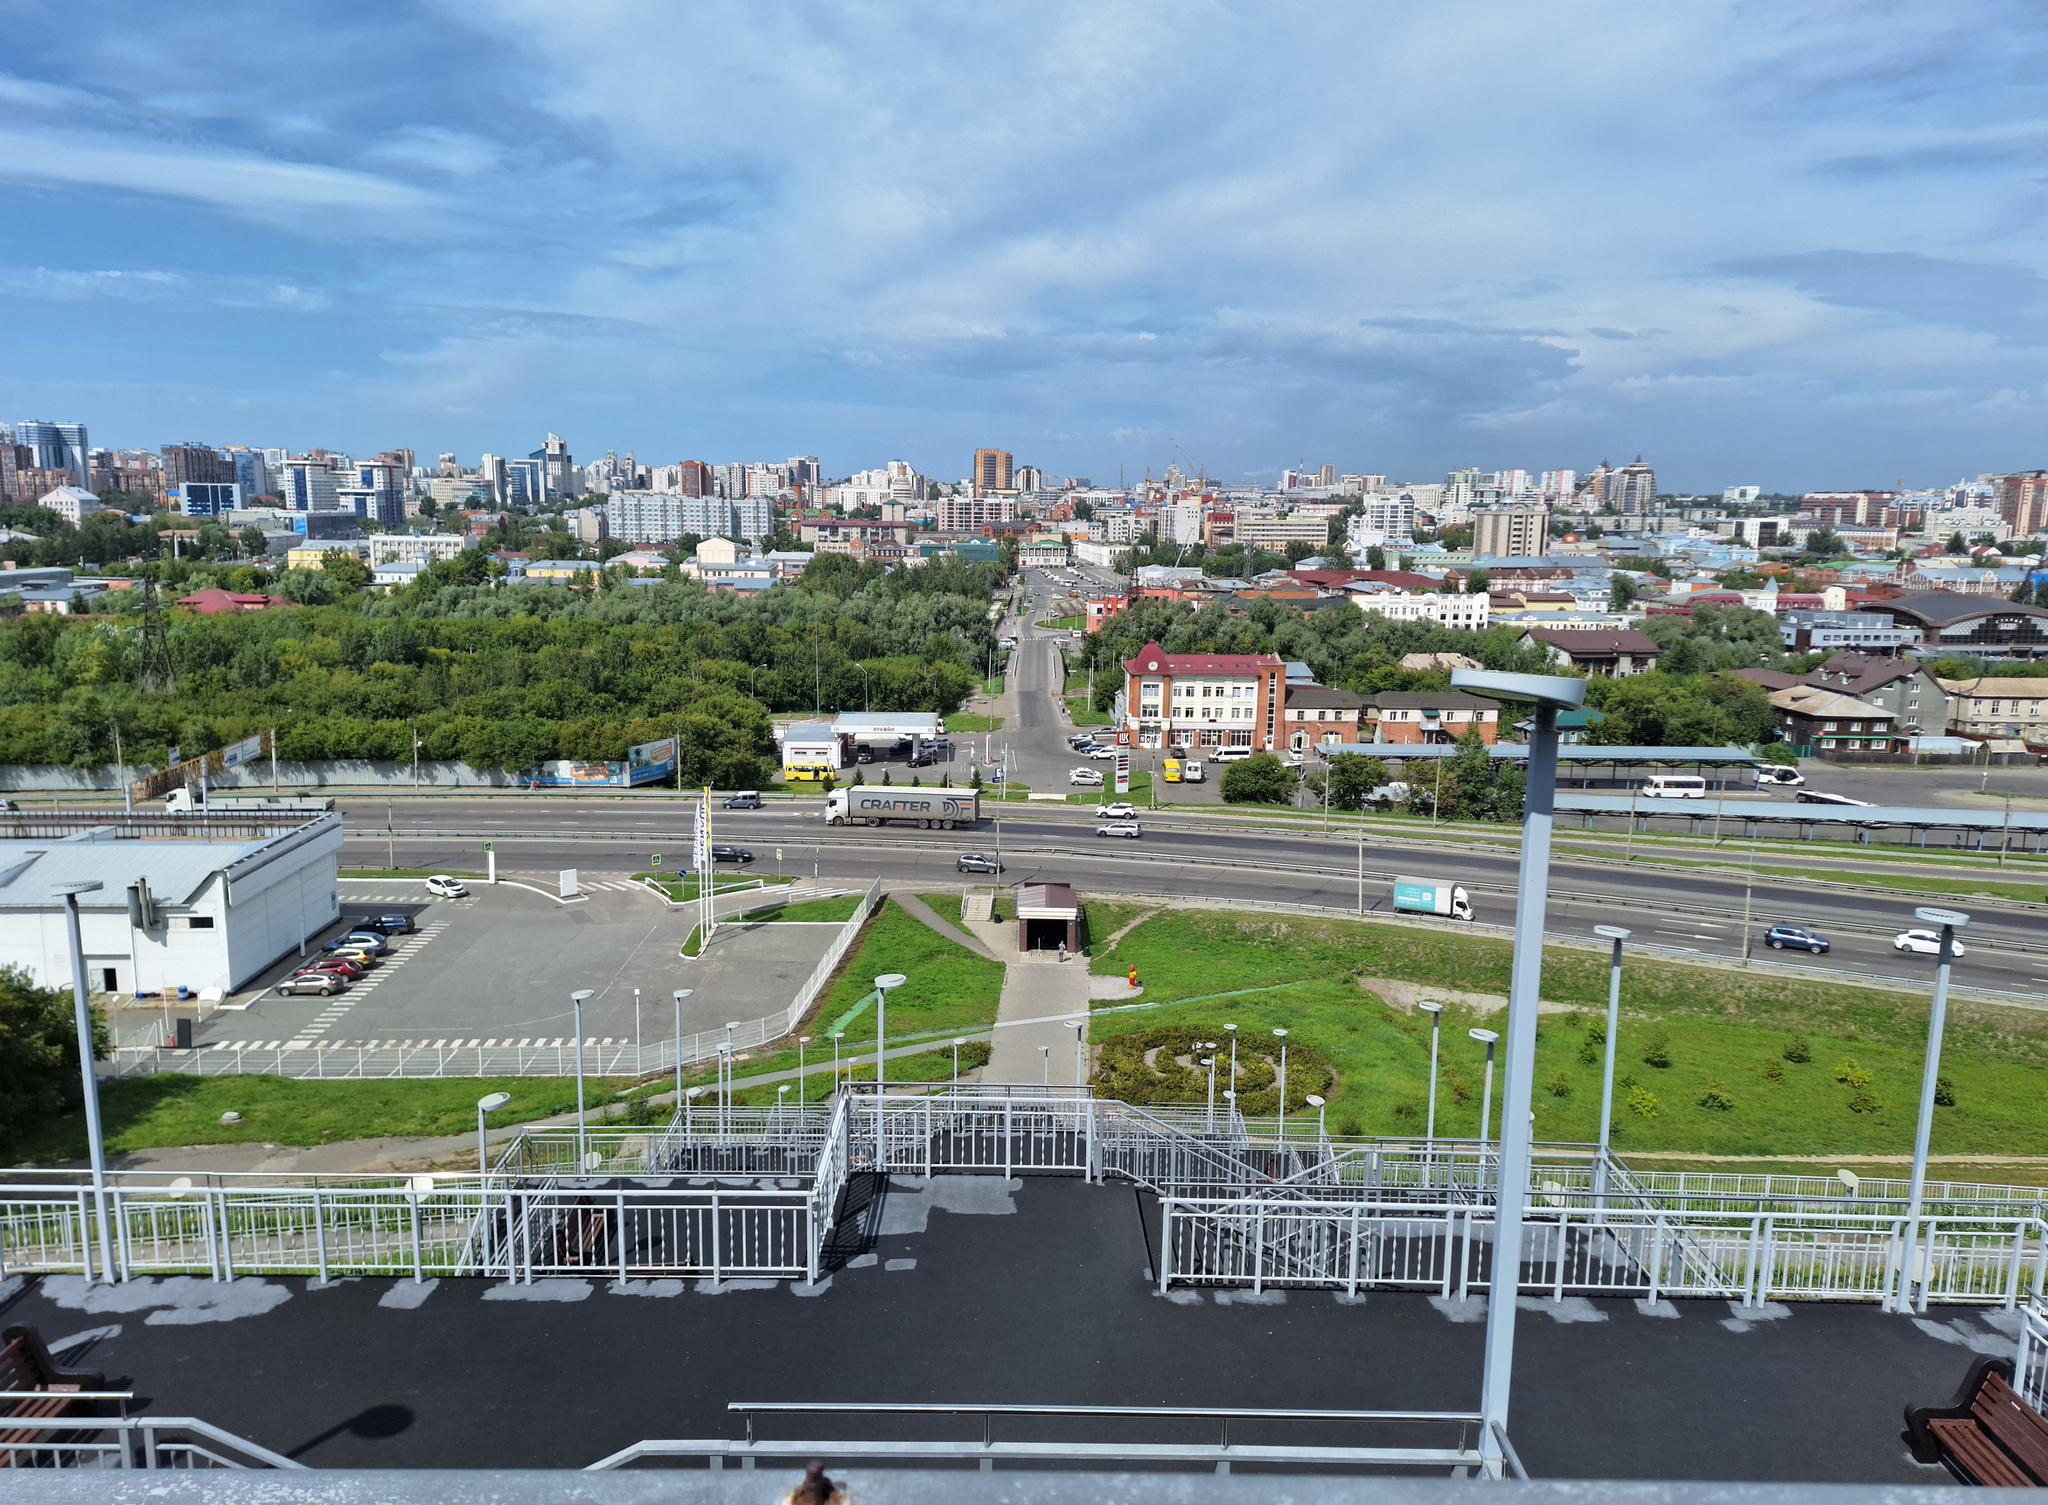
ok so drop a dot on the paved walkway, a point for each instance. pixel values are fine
(1049, 994)
(925, 915)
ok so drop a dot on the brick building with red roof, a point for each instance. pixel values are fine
(1204, 699)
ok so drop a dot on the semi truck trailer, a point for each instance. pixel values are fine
(1432, 896)
(930, 809)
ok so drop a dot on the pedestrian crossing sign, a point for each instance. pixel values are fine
(657, 859)
(778, 854)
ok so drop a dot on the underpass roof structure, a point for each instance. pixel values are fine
(1916, 816)
(1518, 752)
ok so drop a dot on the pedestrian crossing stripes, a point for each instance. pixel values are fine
(302, 1043)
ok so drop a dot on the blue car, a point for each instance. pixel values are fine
(1798, 937)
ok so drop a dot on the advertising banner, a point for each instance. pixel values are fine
(561, 773)
(1123, 770)
(245, 751)
(651, 762)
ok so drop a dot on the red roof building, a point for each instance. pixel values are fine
(213, 602)
(1203, 699)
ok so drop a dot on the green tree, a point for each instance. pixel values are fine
(252, 540)
(1955, 544)
(1824, 542)
(345, 570)
(1375, 558)
(429, 507)
(1470, 777)
(1621, 590)
(39, 1074)
(1261, 779)
(1352, 779)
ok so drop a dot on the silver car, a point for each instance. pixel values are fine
(1120, 828)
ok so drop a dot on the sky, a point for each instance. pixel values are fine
(1790, 245)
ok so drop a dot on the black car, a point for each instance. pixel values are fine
(389, 924)
(924, 760)
(1798, 937)
(723, 853)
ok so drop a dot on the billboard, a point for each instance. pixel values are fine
(245, 751)
(645, 764)
(1123, 770)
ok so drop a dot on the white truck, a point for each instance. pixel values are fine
(929, 809)
(1438, 896)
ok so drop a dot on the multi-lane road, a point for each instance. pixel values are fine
(1196, 855)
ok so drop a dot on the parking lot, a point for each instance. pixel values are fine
(499, 966)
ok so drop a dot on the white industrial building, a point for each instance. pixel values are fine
(199, 901)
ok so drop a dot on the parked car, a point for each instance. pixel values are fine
(1230, 754)
(1120, 828)
(723, 853)
(1087, 777)
(1798, 937)
(1101, 752)
(338, 966)
(977, 862)
(325, 984)
(389, 924)
(1924, 942)
(864, 755)
(746, 799)
(446, 888)
(364, 959)
(924, 760)
(1778, 773)
(357, 940)
(1118, 810)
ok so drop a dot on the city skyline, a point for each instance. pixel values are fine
(1796, 250)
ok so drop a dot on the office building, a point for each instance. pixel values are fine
(211, 499)
(72, 503)
(252, 471)
(307, 485)
(1202, 699)
(1521, 531)
(969, 514)
(56, 446)
(993, 470)
(1276, 533)
(558, 475)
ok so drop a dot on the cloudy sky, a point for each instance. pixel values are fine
(1783, 244)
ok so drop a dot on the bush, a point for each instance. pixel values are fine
(1590, 1052)
(1849, 1074)
(1865, 1102)
(1657, 1051)
(1261, 779)
(1642, 1103)
(1123, 1073)
(1798, 1050)
(1774, 1070)
(1944, 1092)
(1716, 1098)
(1560, 1086)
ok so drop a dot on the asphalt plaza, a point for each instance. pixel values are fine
(500, 966)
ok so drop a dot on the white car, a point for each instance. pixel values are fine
(1925, 942)
(1089, 777)
(445, 887)
(1777, 773)
(1101, 752)
(1117, 810)
(1120, 828)
(1230, 754)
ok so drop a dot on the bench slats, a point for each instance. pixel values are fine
(2016, 1426)
(1978, 1455)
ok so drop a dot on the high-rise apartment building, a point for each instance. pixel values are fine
(57, 446)
(1633, 488)
(966, 514)
(803, 470)
(1327, 476)
(307, 485)
(2023, 501)
(1557, 484)
(1519, 531)
(195, 462)
(994, 470)
(664, 516)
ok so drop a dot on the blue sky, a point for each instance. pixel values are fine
(1791, 245)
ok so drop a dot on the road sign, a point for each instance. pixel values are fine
(657, 859)
(778, 854)
(488, 847)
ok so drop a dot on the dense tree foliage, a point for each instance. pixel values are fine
(39, 1073)
(500, 676)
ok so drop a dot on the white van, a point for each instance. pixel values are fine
(1675, 786)
(1230, 754)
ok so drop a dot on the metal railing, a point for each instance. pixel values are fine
(455, 1058)
(1461, 1458)
(121, 1441)
(2030, 1369)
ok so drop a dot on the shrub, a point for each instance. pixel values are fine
(1798, 1051)
(1865, 1102)
(1849, 1074)
(1944, 1092)
(1403, 1110)
(1716, 1098)
(1573, 1019)
(1122, 1071)
(1560, 1086)
(1657, 1051)
(1590, 1051)
(1642, 1103)
(1774, 1070)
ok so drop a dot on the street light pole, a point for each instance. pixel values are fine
(1281, 1036)
(1436, 1020)
(1950, 921)
(81, 1013)
(1525, 986)
(487, 1104)
(1487, 1038)
(680, 995)
(1080, 1029)
(1616, 934)
(883, 984)
(801, 1042)
(582, 1133)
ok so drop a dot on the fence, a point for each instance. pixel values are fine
(2030, 1371)
(118, 1440)
(452, 1058)
(722, 1192)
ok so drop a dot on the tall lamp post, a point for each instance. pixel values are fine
(1281, 1036)
(1950, 921)
(1080, 1029)
(883, 984)
(1616, 934)
(1487, 1038)
(81, 1011)
(582, 1133)
(1436, 1021)
(489, 1104)
(1550, 694)
(680, 995)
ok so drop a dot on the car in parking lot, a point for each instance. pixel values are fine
(924, 760)
(1100, 751)
(325, 984)
(367, 960)
(338, 966)
(1778, 773)
(1924, 943)
(1229, 754)
(1120, 828)
(746, 799)
(977, 862)
(445, 887)
(1118, 810)
(1797, 937)
(389, 924)
(1088, 777)
(357, 940)
(723, 853)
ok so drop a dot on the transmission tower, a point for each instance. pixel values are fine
(156, 676)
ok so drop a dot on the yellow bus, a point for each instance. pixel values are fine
(1172, 770)
(813, 773)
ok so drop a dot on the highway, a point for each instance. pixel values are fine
(1687, 910)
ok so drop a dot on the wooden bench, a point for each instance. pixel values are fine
(26, 1365)
(1987, 1435)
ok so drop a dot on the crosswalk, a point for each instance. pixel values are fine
(337, 1008)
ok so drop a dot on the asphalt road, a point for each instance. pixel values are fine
(1691, 911)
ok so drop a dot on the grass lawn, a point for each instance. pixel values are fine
(934, 1065)
(810, 911)
(1064, 624)
(949, 988)
(161, 1112)
(685, 886)
(1141, 788)
(1101, 919)
(1723, 1029)
(964, 722)
(1079, 713)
